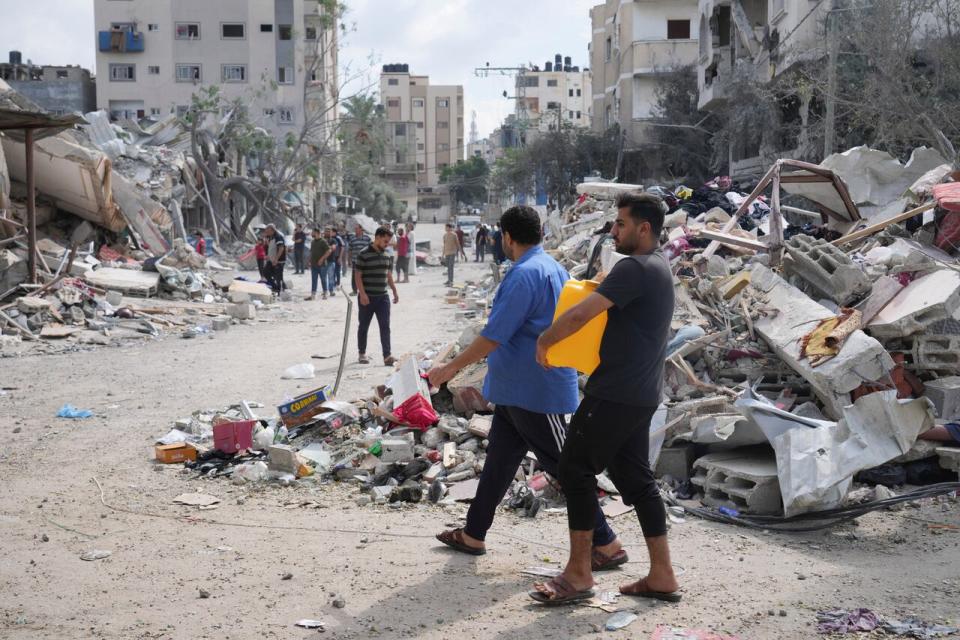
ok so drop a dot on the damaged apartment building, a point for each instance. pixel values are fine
(758, 41)
(633, 44)
(58, 89)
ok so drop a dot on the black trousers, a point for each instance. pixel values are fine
(260, 268)
(380, 307)
(616, 437)
(274, 275)
(298, 258)
(514, 432)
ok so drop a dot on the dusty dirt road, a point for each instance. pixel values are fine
(396, 581)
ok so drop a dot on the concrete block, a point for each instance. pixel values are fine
(826, 268)
(239, 297)
(221, 323)
(928, 300)
(793, 315)
(733, 285)
(242, 310)
(743, 479)
(433, 437)
(467, 390)
(31, 305)
(945, 395)
(480, 425)
(253, 291)
(676, 461)
(949, 458)
(283, 458)
(115, 298)
(396, 450)
(930, 352)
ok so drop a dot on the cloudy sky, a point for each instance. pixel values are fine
(445, 39)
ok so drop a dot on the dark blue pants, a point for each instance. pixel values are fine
(298, 258)
(379, 306)
(514, 432)
(323, 273)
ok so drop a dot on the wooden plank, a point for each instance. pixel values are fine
(880, 226)
(732, 223)
(788, 179)
(728, 238)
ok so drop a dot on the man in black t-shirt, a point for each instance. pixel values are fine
(611, 429)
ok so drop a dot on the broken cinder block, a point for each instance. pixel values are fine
(933, 298)
(945, 395)
(826, 268)
(742, 479)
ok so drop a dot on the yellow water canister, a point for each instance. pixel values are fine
(581, 351)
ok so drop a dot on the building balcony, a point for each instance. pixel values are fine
(651, 56)
(118, 41)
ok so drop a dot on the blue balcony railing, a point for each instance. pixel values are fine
(121, 41)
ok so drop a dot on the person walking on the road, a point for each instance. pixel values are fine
(319, 267)
(299, 246)
(276, 258)
(357, 242)
(403, 255)
(333, 260)
(498, 245)
(531, 401)
(260, 251)
(373, 274)
(413, 247)
(611, 429)
(462, 242)
(451, 246)
(481, 240)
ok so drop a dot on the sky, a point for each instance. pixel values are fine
(444, 39)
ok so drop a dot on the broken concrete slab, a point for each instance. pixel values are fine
(742, 479)
(861, 358)
(944, 393)
(817, 460)
(676, 461)
(242, 311)
(929, 299)
(396, 450)
(32, 304)
(243, 291)
(127, 281)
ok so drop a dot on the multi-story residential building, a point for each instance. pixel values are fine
(633, 43)
(754, 41)
(276, 55)
(59, 90)
(435, 112)
(557, 96)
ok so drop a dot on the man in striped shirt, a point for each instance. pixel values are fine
(356, 242)
(531, 402)
(372, 274)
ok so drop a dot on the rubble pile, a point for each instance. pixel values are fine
(113, 257)
(804, 357)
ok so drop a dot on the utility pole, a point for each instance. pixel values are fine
(518, 73)
(833, 51)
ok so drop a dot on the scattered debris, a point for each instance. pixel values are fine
(95, 554)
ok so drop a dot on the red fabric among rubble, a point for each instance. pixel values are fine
(417, 412)
(947, 196)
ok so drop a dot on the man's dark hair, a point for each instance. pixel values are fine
(644, 207)
(384, 232)
(523, 225)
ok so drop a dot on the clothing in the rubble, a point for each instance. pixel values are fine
(523, 309)
(616, 437)
(515, 431)
(633, 349)
(953, 428)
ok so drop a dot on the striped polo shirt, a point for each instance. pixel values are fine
(357, 243)
(374, 267)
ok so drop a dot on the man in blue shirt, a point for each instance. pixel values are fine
(531, 402)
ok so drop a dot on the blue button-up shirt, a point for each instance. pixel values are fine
(522, 309)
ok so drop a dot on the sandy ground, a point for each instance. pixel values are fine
(397, 582)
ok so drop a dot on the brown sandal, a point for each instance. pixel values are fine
(642, 590)
(558, 591)
(454, 540)
(600, 561)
